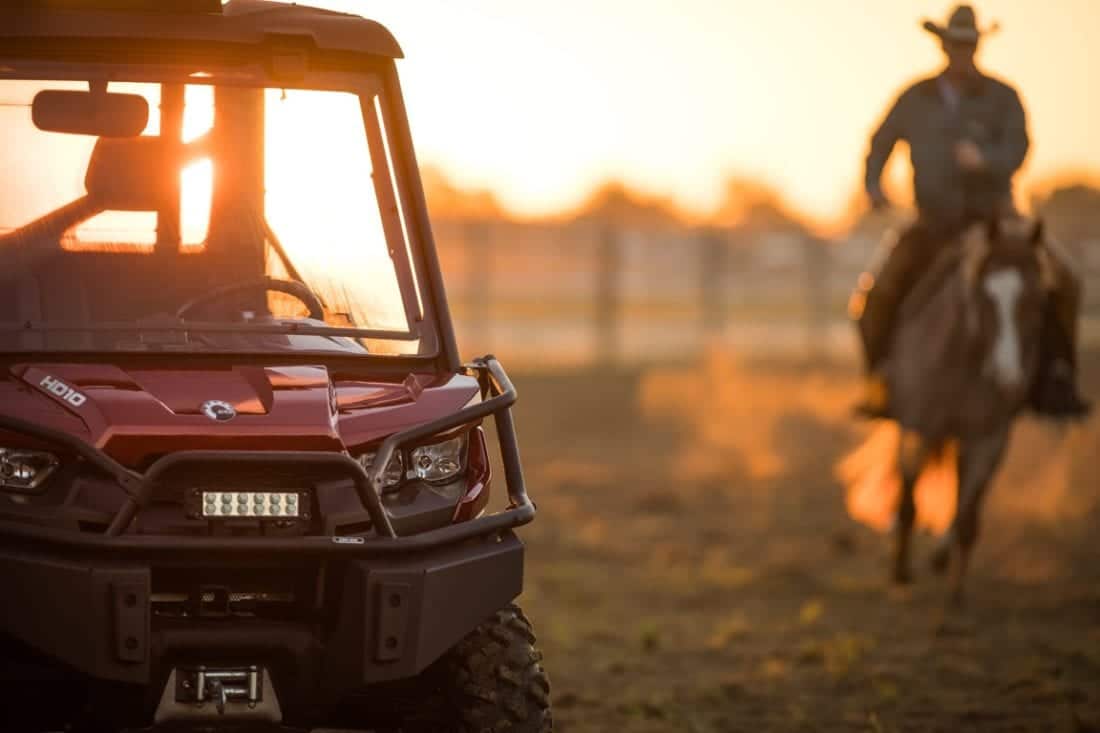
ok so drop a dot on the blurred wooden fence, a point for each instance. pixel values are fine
(582, 292)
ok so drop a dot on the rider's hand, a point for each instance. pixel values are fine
(969, 156)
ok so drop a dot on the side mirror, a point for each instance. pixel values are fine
(90, 113)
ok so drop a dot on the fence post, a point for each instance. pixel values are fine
(816, 262)
(480, 283)
(606, 317)
(712, 275)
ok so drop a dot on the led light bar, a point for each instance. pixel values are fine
(254, 504)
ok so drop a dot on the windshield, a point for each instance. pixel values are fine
(243, 219)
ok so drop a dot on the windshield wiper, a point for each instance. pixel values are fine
(283, 328)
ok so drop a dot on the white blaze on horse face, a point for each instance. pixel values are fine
(1006, 360)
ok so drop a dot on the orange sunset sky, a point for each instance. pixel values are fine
(541, 101)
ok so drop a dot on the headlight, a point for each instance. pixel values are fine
(439, 461)
(25, 470)
(394, 472)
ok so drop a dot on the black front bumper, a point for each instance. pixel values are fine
(394, 616)
(389, 606)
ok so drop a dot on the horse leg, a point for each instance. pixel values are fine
(911, 457)
(941, 555)
(940, 560)
(978, 461)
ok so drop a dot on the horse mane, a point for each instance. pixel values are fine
(967, 255)
(945, 264)
(976, 249)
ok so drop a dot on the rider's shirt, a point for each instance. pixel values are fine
(950, 93)
(932, 116)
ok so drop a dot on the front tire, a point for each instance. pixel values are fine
(491, 681)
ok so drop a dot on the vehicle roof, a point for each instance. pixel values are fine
(239, 22)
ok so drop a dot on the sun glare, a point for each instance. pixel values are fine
(320, 201)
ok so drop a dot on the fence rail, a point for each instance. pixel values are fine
(582, 292)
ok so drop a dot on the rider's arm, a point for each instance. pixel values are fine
(882, 144)
(1006, 154)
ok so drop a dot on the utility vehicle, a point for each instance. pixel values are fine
(244, 475)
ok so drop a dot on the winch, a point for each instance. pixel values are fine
(202, 692)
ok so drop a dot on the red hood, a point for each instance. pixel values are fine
(136, 414)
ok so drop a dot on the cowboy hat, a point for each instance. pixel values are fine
(961, 27)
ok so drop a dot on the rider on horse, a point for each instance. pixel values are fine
(967, 135)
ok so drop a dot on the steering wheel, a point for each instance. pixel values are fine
(293, 288)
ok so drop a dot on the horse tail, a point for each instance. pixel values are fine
(871, 478)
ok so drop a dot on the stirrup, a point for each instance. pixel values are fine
(1057, 396)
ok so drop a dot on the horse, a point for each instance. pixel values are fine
(963, 359)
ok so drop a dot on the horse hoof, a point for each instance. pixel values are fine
(902, 576)
(941, 559)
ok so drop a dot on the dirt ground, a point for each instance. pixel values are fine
(693, 568)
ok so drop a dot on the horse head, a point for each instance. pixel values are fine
(1004, 275)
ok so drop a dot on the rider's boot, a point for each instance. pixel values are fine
(1055, 392)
